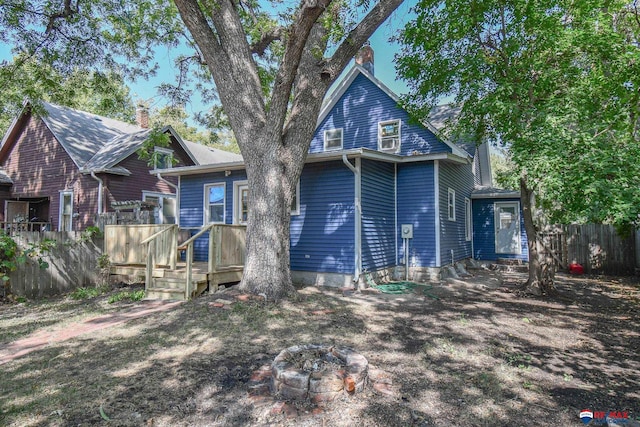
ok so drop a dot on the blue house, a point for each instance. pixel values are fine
(379, 193)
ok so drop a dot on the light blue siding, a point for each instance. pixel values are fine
(322, 236)
(358, 112)
(192, 203)
(484, 236)
(452, 237)
(416, 205)
(378, 215)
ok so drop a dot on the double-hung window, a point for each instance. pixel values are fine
(214, 203)
(389, 135)
(333, 139)
(163, 158)
(241, 202)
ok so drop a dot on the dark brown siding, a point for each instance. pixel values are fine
(121, 188)
(41, 168)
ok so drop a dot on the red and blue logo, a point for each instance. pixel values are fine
(586, 416)
(602, 417)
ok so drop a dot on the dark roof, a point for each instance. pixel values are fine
(4, 178)
(209, 155)
(494, 193)
(97, 143)
(441, 116)
(84, 135)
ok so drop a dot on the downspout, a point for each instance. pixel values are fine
(100, 191)
(175, 187)
(358, 216)
(436, 191)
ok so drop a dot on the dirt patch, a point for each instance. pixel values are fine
(479, 354)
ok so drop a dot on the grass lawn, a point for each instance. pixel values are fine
(480, 354)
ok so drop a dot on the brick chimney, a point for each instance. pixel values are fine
(364, 57)
(142, 116)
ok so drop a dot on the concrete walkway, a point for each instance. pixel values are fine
(41, 339)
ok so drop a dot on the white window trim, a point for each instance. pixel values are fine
(61, 208)
(205, 217)
(168, 152)
(326, 148)
(468, 224)
(451, 204)
(386, 122)
(160, 197)
(236, 200)
(518, 230)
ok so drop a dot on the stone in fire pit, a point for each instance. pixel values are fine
(317, 372)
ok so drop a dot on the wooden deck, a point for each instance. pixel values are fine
(153, 253)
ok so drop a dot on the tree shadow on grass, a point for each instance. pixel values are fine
(477, 356)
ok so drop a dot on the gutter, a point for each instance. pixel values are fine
(358, 216)
(100, 191)
(323, 156)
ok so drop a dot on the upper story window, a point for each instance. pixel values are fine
(333, 139)
(214, 203)
(451, 204)
(163, 158)
(389, 135)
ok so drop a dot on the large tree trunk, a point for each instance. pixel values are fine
(271, 191)
(541, 264)
(273, 132)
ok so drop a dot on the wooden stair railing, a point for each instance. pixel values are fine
(188, 247)
(151, 251)
(225, 257)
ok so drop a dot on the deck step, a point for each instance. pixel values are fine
(164, 294)
(182, 274)
(169, 282)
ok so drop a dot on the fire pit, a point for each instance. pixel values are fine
(317, 372)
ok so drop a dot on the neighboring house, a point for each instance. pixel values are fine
(66, 166)
(378, 190)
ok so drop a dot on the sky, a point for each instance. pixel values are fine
(384, 51)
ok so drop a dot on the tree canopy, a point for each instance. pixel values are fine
(558, 81)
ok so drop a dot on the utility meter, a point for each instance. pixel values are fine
(407, 231)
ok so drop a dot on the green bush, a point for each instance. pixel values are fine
(84, 293)
(126, 295)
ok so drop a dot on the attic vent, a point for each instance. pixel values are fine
(98, 119)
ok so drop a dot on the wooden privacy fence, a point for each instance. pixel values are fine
(597, 247)
(123, 243)
(73, 262)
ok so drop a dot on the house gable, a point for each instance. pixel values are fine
(359, 105)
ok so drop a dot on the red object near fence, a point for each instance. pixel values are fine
(575, 268)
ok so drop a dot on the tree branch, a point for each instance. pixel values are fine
(310, 11)
(358, 36)
(229, 59)
(261, 45)
(68, 11)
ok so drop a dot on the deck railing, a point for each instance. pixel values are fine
(123, 244)
(15, 227)
(166, 238)
(157, 246)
